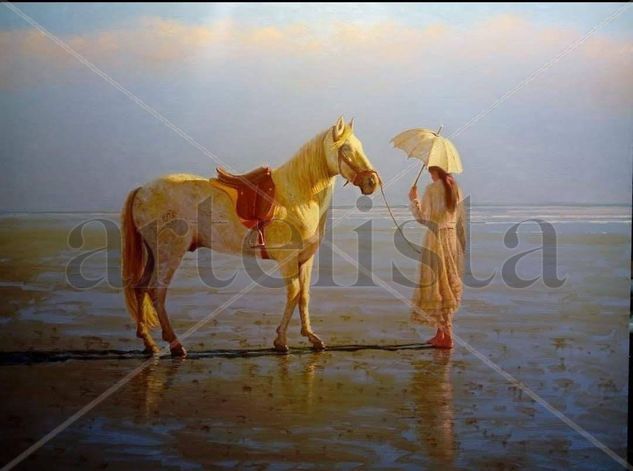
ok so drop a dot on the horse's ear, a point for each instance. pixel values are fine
(339, 127)
(351, 124)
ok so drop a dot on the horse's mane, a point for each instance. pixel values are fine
(308, 169)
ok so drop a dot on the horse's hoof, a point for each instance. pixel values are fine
(281, 347)
(318, 346)
(152, 350)
(178, 351)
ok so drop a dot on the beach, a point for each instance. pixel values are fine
(564, 337)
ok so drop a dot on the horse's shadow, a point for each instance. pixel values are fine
(53, 356)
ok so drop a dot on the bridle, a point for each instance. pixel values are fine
(359, 173)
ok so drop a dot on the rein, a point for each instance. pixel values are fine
(393, 218)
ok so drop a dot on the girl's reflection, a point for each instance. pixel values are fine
(433, 391)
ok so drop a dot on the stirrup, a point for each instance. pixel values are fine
(260, 239)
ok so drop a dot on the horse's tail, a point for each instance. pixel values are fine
(134, 272)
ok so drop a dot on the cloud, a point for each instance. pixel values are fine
(504, 48)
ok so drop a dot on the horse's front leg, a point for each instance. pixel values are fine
(305, 275)
(290, 272)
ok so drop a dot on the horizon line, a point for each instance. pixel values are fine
(343, 206)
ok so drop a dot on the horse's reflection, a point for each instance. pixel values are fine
(150, 385)
(433, 393)
(295, 381)
(298, 375)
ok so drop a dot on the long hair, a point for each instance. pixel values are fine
(450, 187)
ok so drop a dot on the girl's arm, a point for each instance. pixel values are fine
(421, 210)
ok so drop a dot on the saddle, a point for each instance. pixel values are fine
(255, 202)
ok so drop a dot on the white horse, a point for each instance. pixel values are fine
(152, 249)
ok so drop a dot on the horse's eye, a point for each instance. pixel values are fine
(346, 148)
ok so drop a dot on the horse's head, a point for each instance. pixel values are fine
(345, 154)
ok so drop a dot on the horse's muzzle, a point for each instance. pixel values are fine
(368, 183)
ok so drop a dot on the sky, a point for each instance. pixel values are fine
(538, 98)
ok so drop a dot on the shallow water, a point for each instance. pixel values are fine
(366, 408)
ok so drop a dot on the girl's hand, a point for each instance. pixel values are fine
(413, 193)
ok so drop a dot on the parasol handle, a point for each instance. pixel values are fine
(415, 183)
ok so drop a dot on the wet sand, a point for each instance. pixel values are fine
(406, 409)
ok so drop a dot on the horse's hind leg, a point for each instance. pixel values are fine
(170, 256)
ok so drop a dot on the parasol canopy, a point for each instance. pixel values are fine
(431, 148)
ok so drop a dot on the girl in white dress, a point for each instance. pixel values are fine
(439, 291)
